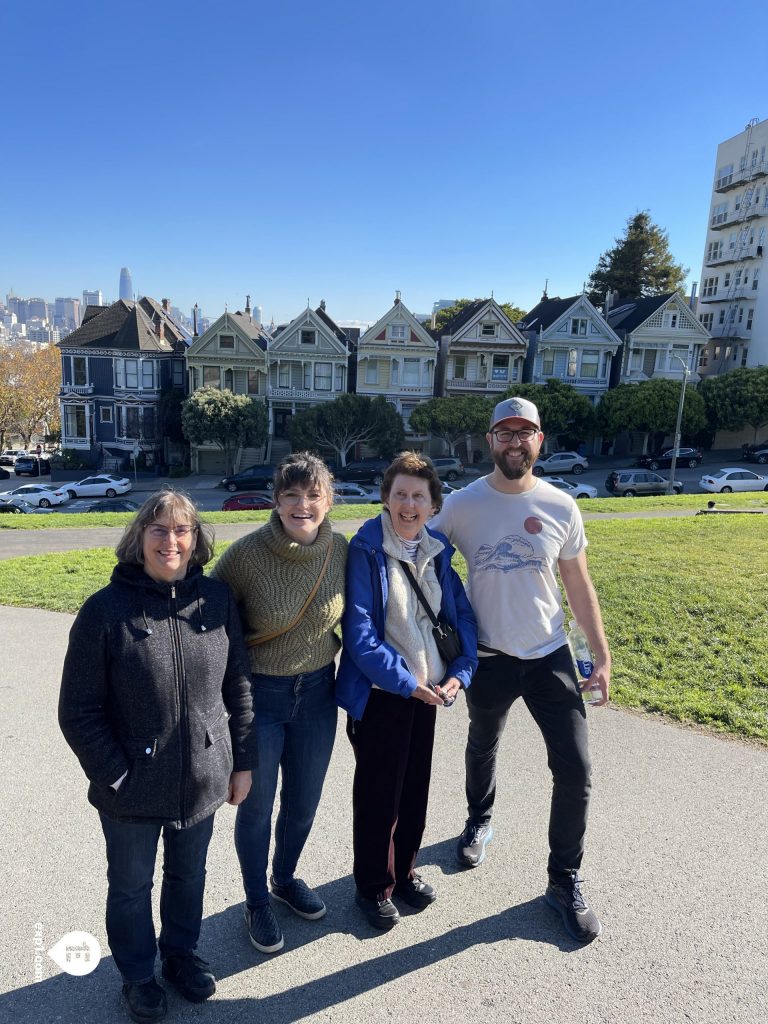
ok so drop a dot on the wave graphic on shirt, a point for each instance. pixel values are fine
(508, 554)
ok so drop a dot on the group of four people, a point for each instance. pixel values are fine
(181, 691)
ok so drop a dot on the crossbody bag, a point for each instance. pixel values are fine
(446, 637)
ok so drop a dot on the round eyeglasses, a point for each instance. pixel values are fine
(294, 498)
(162, 533)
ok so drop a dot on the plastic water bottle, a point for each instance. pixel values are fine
(582, 655)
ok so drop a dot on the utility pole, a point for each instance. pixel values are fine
(676, 449)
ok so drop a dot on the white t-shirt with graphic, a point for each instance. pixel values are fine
(512, 543)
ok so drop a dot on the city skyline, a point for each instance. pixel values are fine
(478, 163)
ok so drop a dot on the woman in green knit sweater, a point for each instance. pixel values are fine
(290, 630)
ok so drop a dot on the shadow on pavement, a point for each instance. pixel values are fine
(94, 999)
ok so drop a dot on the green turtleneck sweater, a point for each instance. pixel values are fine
(271, 577)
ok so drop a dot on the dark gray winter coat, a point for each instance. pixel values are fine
(156, 682)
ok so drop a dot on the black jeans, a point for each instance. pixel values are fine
(393, 764)
(550, 691)
(131, 855)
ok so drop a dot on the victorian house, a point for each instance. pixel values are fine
(231, 354)
(660, 336)
(481, 351)
(396, 358)
(307, 364)
(114, 368)
(570, 341)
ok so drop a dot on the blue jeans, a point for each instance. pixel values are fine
(131, 855)
(295, 728)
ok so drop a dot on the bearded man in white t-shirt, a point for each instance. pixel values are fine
(516, 532)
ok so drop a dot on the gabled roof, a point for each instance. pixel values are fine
(546, 312)
(628, 314)
(125, 325)
(340, 334)
(424, 336)
(457, 321)
(252, 328)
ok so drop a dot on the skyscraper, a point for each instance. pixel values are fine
(93, 298)
(126, 284)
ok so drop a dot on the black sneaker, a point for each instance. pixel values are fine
(190, 976)
(263, 929)
(381, 913)
(415, 892)
(146, 1001)
(299, 897)
(580, 922)
(470, 848)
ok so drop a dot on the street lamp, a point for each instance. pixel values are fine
(673, 466)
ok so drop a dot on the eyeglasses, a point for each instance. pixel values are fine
(294, 498)
(505, 436)
(162, 533)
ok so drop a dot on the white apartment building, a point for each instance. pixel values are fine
(733, 296)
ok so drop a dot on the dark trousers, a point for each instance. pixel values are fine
(393, 763)
(550, 691)
(131, 855)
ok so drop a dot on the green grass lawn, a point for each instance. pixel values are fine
(84, 520)
(685, 603)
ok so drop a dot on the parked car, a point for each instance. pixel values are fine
(102, 486)
(105, 505)
(18, 506)
(247, 503)
(44, 495)
(575, 490)
(9, 455)
(254, 478)
(354, 494)
(690, 457)
(448, 468)
(31, 465)
(4, 474)
(626, 483)
(560, 462)
(733, 479)
(364, 471)
(756, 453)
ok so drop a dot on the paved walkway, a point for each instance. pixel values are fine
(676, 860)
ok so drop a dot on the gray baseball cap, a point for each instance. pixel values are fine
(517, 408)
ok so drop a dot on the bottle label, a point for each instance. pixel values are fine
(585, 668)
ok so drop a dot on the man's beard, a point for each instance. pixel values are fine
(513, 472)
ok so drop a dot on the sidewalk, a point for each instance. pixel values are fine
(675, 864)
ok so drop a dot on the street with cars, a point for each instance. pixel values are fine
(696, 472)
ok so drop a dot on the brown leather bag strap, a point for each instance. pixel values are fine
(254, 641)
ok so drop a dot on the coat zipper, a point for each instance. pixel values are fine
(183, 710)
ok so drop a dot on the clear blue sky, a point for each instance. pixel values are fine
(342, 150)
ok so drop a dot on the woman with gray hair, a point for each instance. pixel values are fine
(156, 703)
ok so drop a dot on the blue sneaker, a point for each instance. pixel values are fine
(263, 929)
(470, 848)
(299, 897)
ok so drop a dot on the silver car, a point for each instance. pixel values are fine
(626, 483)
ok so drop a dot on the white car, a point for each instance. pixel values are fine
(732, 478)
(9, 455)
(560, 462)
(356, 494)
(102, 486)
(44, 495)
(575, 490)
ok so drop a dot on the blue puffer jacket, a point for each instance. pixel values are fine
(366, 658)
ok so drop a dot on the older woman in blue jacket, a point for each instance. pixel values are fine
(392, 678)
